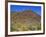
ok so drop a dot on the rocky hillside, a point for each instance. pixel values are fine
(25, 21)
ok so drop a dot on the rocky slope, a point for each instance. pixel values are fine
(25, 21)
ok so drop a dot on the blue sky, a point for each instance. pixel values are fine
(19, 8)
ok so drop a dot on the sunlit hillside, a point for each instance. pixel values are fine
(25, 21)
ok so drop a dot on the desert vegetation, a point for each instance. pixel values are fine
(25, 21)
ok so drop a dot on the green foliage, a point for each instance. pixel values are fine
(25, 27)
